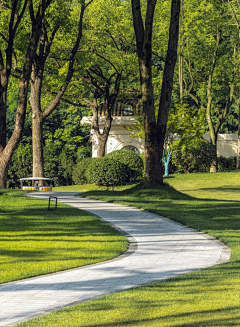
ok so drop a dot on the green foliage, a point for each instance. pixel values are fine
(21, 165)
(226, 164)
(131, 160)
(186, 121)
(79, 171)
(58, 164)
(193, 156)
(106, 171)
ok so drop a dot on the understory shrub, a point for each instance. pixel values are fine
(59, 164)
(133, 162)
(226, 164)
(106, 171)
(21, 165)
(79, 171)
(192, 157)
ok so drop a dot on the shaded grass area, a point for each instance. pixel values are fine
(209, 297)
(35, 241)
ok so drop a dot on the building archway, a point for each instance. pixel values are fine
(131, 148)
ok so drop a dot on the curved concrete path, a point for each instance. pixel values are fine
(159, 249)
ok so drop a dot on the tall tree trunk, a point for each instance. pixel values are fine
(102, 136)
(213, 135)
(180, 58)
(38, 116)
(37, 123)
(181, 78)
(3, 109)
(167, 84)
(102, 141)
(37, 146)
(238, 148)
(213, 166)
(155, 131)
(153, 168)
(4, 165)
(6, 153)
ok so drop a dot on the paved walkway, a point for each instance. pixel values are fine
(159, 248)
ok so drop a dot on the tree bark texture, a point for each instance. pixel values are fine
(38, 116)
(6, 152)
(110, 99)
(153, 168)
(167, 84)
(37, 124)
(213, 135)
(155, 131)
(238, 154)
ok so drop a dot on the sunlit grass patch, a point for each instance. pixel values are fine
(35, 241)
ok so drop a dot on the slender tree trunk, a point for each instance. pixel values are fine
(213, 166)
(238, 152)
(213, 135)
(153, 169)
(102, 137)
(38, 116)
(167, 84)
(181, 78)
(143, 33)
(180, 58)
(7, 152)
(37, 146)
(3, 109)
(4, 165)
(37, 124)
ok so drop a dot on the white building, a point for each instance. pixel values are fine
(119, 137)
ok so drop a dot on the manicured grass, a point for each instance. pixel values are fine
(90, 187)
(209, 297)
(35, 241)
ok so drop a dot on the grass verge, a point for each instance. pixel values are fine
(35, 241)
(203, 298)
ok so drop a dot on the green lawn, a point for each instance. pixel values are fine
(211, 297)
(90, 187)
(35, 241)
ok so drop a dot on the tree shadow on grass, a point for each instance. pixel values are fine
(201, 214)
(228, 316)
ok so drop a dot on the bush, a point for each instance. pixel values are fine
(79, 171)
(192, 157)
(58, 164)
(226, 164)
(21, 165)
(106, 171)
(133, 161)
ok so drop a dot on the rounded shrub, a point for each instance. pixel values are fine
(106, 171)
(133, 161)
(193, 156)
(226, 164)
(79, 171)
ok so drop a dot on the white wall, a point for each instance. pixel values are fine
(119, 137)
(226, 144)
